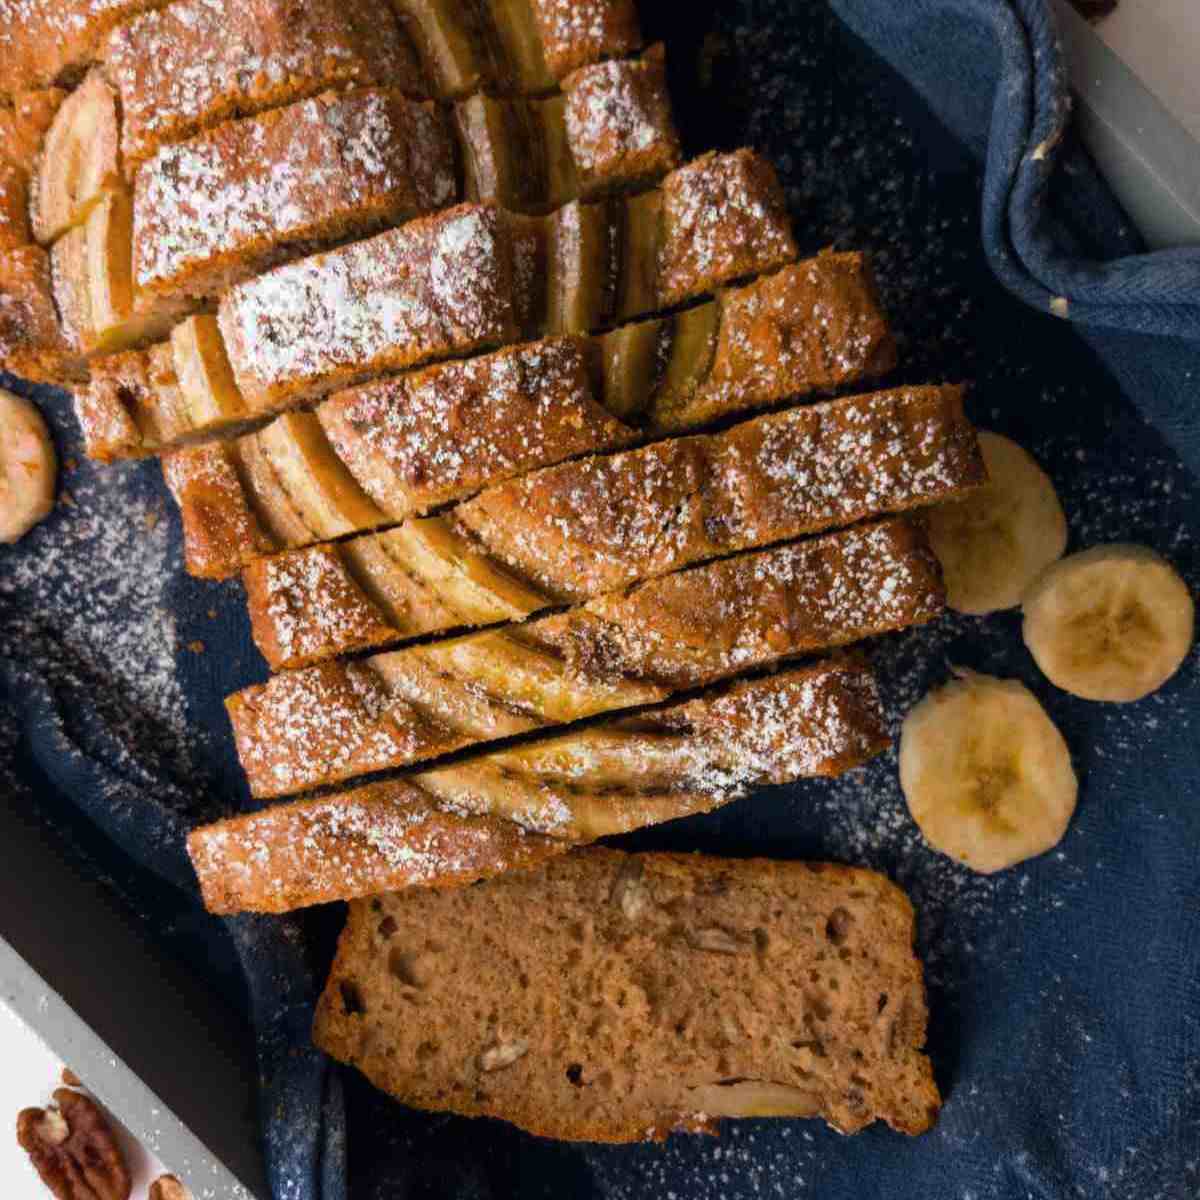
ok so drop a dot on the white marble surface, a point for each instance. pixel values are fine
(1160, 41)
(30, 1073)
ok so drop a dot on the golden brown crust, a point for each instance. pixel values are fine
(421, 577)
(194, 64)
(577, 32)
(402, 446)
(32, 341)
(422, 439)
(438, 286)
(306, 606)
(619, 123)
(14, 208)
(380, 837)
(621, 774)
(687, 958)
(598, 524)
(217, 525)
(725, 219)
(327, 723)
(49, 41)
(248, 194)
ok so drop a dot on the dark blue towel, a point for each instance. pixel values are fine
(1065, 994)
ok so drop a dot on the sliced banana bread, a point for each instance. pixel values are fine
(613, 997)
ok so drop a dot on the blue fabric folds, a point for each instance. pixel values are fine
(993, 71)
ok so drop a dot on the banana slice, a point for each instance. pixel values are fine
(986, 774)
(27, 467)
(994, 543)
(1112, 623)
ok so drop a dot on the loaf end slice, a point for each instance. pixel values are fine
(613, 997)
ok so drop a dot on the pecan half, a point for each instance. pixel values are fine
(167, 1187)
(74, 1150)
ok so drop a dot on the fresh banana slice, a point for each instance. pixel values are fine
(27, 467)
(986, 774)
(1112, 623)
(994, 543)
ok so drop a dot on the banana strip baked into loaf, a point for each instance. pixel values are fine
(330, 722)
(211, 140)
(471, 278)
(613, 997)
(813, 326)
(599, 524)
(456, 823)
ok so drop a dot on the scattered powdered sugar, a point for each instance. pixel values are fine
(85, 603)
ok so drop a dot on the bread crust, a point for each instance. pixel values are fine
(438, 286)
(618, 775)
(32, 340)
(382, 452)
(576, 32)
(599, 524)
(245, 195)
(385, 835)
(329, 722)
(192, 65)
(661, 950)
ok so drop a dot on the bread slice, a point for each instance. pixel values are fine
(331, 721)
(438, 286)
(51, 41)
(618, 998)
(811, 327)
(246, 195)
(574, 33)
(601, 523)
(408, 468)
(590, 527)
(609, 130)
(193, 64)
(378, 453)
(33, 343)
(615, 776)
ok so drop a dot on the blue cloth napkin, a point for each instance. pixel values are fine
(1065, 994)
(993, 71)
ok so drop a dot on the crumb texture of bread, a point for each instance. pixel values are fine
(331, 721)
(613, 997)
(195, 63)
(438, 286)
(222, 206)
(32, 340)
(601, 523)
(618, 775)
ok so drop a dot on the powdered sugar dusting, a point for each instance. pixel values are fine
(436, 286)
(220, 206)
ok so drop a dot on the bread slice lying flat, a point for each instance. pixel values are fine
(508, 809)
(613, 997)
